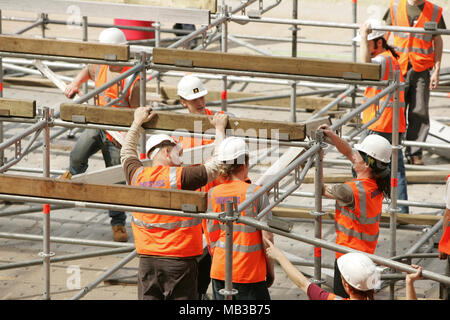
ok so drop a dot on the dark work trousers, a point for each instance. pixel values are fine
(417, 97)
(246, 291)
(338, 286)
(162, 278)
(204, 269)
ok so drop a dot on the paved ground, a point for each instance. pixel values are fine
(68, 277)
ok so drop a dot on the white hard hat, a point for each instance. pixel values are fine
(377, 147)
(359, 271)
(156, 140)
(112, 36)
(231, 149)
(373, 23)
(190, 87)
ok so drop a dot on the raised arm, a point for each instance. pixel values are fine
(341, 145)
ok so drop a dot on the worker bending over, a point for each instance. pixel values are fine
(168, 246)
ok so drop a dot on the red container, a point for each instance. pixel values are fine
(135, 34)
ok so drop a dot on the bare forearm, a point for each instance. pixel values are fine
(410, 290)
(294, 274)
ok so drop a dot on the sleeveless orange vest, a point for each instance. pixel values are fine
(249, 260)
(444, 244)
(112, 92)
(191, 142)
(164, 235)
(358, 228)
(415, 47)
(384, 122)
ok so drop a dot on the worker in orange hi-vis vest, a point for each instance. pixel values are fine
(93, 140)
(420, 62)
(168, 246)
(359, 201)
(192, 93)
(374, 49)
(253, 272)
(359, 276)
(444, 243)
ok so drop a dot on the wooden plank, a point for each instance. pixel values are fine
(64, 48)
(17, 108)
(307, 103)
(169, 120)
(78, 9)
(416, 219)
(255, 63)
(113, 194)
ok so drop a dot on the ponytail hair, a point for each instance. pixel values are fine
(386, 46)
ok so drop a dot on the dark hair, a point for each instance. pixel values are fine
(381, 173)
(386, 46)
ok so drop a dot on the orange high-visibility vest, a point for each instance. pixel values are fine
(164, 235)
(358, 228)
(191, 142)
(112, 92)
(384, 122)
(444, 243)
(415, 47)
(249, 260)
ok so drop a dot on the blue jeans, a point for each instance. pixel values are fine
(402, 190)
(89, 142)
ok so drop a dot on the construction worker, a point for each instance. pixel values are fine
(168, 246)
(359, 276)
(192, 93)
(359, 201)
(93, 140)
(374, 49)
(444, 243)
(253, 272)
(419, 54)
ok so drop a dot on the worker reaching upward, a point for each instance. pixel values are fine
(374, 49)
(359, 201)
(93, 140)
(168, 246)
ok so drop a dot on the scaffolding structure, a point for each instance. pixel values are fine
(312, 157)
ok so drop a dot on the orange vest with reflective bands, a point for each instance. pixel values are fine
(444, 244)
(415, 47)
(358, 228)
(191, 142)
(164, 235)
(112, 92)
(249, 260)
(384, 122)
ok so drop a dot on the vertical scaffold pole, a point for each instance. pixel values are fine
(228, 291)
(318, 180)
(393, 209)
(224, 48)
(143, 100)
(46, 254)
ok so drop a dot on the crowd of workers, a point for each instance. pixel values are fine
(179, 256)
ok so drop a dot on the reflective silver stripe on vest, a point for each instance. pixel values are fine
(240, 248)
(415, 50)
(168, 225)
(395, 10)
(362, 219)
(135, 175)
(173, 178)
(356, 234)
